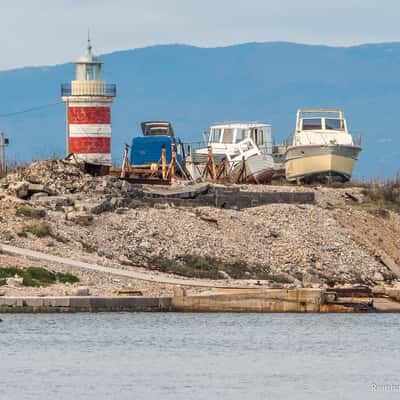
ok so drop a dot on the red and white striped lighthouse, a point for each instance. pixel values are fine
(88, 100)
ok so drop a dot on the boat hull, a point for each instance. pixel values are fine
(259, 169)
(320, 163)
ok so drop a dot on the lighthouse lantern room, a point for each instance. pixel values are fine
(88, 100)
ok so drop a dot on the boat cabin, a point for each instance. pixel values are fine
(321, 127)
(240, 139)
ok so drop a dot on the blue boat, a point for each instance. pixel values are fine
(147, 149)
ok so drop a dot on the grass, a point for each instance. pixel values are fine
(383, 194)
(380, 196)
(195, 266)
(39, 229)
(36, 276)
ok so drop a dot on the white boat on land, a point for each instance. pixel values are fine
(322, 148)
(237, 142)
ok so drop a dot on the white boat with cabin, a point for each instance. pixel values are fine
(322, 148)
(239, 141)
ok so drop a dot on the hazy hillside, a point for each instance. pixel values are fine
(194, 87)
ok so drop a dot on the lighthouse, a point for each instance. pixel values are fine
(88, 116)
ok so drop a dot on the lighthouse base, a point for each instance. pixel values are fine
(93, 169)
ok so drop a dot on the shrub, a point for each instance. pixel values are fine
(66, 278)
(195, 266)
(40, 229)
(385, 194)
(36, 276)
(7, 272)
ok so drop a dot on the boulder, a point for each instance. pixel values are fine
(93, 206)
(309, 280)
(81, 291)
(38, 195)
(378, 277)
(2, 292)
(224, 275)
(79, 217)
(16, 281)
(18, 189)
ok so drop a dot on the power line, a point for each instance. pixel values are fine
(31, 109)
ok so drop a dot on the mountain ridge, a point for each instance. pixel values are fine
(194, 86)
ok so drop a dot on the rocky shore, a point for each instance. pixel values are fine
(52, 207)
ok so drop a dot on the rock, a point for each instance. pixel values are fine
(179, 291)
(378, 277)
(81, 291)
(34, 188)
(80, 217)
(161, 206)
(122, 210)
(390, 263)
(16, 281)
(55, 202)
(146, 245)
(224, 275)
(124, 260)
(18, 189)
(93, 207)
(30, 212)
(38, 195)
(379, 290)
(2, 292)
(309, 279)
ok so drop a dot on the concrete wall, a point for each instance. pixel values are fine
(227, 197)
(267, 300)
(82, 304)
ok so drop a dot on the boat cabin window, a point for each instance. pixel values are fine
(215, 135)
(241, 134)
(258, 136)
(312, 123)
(227, 136)
(334, 124)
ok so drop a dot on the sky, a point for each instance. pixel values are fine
(48, 32)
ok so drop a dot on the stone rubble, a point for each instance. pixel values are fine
(101, 220)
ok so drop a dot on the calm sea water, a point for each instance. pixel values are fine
(199, 356)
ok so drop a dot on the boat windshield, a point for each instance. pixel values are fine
(215, 135)
(334, 124)
(312, 124)
(227, 136)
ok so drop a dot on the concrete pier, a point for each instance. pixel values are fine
(253, 300)
(259, 300)
(82, 304)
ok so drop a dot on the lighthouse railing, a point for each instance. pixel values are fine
(78, 89)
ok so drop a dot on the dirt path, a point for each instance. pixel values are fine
(149, 277)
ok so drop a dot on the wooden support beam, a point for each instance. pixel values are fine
(164, 163)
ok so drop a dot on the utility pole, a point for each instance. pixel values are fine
(3, 162)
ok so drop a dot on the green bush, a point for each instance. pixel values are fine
(7, 272)
(66, 278)
(40, 229)
(36, 276)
